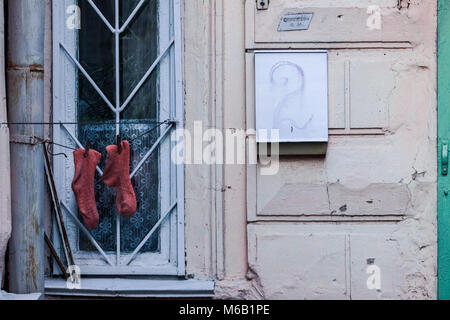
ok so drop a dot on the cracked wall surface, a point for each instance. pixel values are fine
(321, 223)
(316, 228)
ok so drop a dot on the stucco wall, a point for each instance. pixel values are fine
(5, 190)
(375, 190)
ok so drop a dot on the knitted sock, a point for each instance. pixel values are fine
(117, 175)
(83, 185)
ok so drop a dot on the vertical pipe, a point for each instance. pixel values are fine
(5, 189)
(25, 92)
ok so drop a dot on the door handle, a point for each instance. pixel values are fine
(444, 158)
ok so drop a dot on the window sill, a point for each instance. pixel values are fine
(138, 288)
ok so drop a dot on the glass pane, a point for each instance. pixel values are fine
(101, 136)
(126, 7)
(137, 58)
(146, 187)
(138, 50)
(96, 55)
(105, 6)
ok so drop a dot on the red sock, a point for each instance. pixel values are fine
(83, 185)
(117, 175)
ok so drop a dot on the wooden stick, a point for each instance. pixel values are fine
(51, 182)
(55, 255)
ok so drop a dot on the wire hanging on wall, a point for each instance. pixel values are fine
(51, 142)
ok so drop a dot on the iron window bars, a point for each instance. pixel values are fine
(117, 107)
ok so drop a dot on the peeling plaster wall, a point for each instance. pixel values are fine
(312, 230)
(5, 190)
(199, 97)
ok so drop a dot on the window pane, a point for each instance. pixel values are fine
(138, 50)
(96, 55)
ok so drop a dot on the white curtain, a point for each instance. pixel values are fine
(5, 188)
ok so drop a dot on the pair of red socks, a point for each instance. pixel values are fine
(116, 175)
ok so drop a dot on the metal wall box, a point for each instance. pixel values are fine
(291, 97)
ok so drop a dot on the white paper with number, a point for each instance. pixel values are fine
(292, 95)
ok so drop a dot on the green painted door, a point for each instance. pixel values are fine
(443, 140)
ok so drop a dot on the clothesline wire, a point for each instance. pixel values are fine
(80, 123)
(51, 142)
(150, 130)
(58, 144)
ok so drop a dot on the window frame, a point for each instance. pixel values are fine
(64, 94)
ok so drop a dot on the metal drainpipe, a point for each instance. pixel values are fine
(25, 95)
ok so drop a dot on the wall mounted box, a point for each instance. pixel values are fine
(291, 96)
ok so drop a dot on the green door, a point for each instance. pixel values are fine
(443, 147)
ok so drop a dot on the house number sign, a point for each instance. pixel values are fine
(295, 21)
(291, 95)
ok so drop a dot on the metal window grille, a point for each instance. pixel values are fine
(170, 259)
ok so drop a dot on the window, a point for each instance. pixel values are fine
(118, 72)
